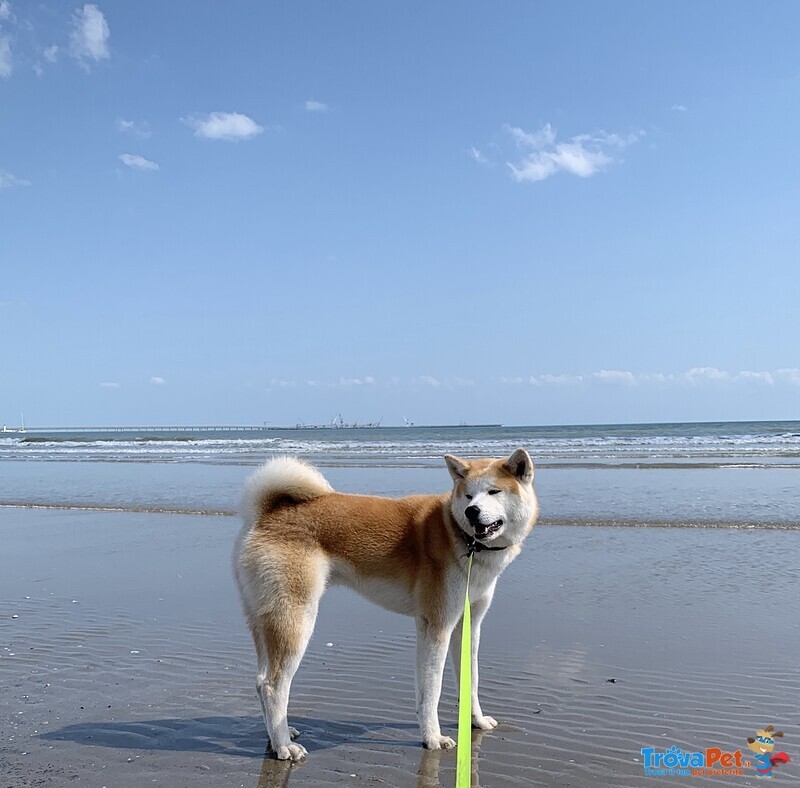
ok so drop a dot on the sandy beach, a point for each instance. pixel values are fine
(125, 662)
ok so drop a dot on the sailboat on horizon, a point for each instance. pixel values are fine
(19, 429)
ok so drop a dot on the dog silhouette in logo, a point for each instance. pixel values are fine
(762, 747)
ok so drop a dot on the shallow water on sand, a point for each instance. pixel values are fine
(605, 495)
(128, 663)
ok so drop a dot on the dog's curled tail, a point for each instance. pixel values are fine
(281, 479)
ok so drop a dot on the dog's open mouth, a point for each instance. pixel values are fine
(483, 530)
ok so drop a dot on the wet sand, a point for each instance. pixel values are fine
(124, 660)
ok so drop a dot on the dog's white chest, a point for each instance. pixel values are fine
(484, 574)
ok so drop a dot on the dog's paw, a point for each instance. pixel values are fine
(439, 743)
(293, 732)
(291, 752)
(484, 723)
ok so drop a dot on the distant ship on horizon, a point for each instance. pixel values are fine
(338, 423)
(19, 429)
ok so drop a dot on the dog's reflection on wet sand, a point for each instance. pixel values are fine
(277, 774)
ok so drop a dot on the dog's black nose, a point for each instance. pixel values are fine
(472, 512)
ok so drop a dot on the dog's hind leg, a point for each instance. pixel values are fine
(284, 630)
(286, 644)
(261, 676)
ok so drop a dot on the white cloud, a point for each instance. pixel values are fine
(156, 380)
(704, 374)
(88, 40)
(571, 157)
(560, 380)
(6, 57)
(428, 380)
(136, 162)
(315, 106)
(229, 126)
(789, 375)
(541, 380)
(695, 375)
(520, 380)
(109, 385)
(141, 130)
(51, 53)
(655, 377)
(9, 181)
(537, 139)
(615, 376)
(278, 383)
(583, 155)
(347, 383)
(613, 140)
(757, 377)
(342, 383)
(678, 108)
(478, 156)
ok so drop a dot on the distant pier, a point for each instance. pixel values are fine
(234, 428)
(165, 428)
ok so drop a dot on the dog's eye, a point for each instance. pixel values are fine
(468, 497)
(493, 492)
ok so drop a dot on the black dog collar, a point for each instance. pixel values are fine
(473, 545)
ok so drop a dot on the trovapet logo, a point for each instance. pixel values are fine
(675, 762)
(715, 762)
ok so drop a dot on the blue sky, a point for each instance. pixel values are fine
(518, 212)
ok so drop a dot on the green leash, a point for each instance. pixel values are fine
(464, 754)
(463, 765)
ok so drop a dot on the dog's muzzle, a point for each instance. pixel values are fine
(482, 530)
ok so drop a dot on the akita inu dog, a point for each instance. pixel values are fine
(406, 554)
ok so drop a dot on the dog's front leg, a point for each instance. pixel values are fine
(478, 610)
(432, 643)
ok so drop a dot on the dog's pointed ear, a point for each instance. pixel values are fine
(520, 465)
(458, 468)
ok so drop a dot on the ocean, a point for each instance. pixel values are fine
(742, 474)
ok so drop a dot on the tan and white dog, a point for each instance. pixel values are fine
(408, 555)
